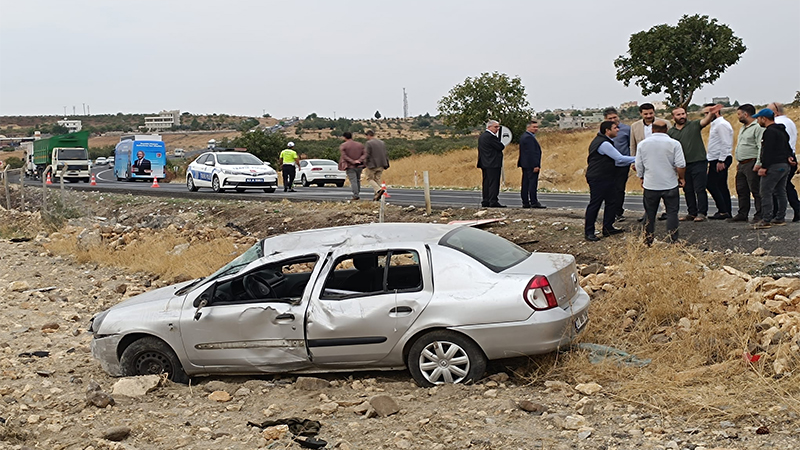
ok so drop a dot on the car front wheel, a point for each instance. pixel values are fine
(444, 356)
(190, 184)
(215, 186)
(304, 181)
(269, 190)
(152, 356)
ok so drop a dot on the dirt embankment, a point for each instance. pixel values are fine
(694, 393)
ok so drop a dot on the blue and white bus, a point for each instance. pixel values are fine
(135, 158)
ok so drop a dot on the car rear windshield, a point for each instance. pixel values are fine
(324, 163)
(245, 159)
(491, 250)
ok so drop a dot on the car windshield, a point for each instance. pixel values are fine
(324, 163)
(245, 159)
(492, 251)
(252, 254)
(73, 154)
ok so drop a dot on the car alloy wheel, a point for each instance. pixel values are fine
(445, 357)
(152, 356)
(304, 181)
(190, 184)
(215, 185)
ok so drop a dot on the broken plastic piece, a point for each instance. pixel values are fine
(598, 353)
(310, 442)
(38, 354)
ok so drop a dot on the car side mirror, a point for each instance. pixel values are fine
(210, 163)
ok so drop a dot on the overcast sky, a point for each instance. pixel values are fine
(351, 58)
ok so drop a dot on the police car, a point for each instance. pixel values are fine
(230, 170)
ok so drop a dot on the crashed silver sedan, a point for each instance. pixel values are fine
(440, 300)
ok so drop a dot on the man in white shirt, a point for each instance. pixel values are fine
(661, 166)
(720, 146)
(791, 130)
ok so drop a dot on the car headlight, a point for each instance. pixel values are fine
(270, 172)
(228, 172)
(96, 321)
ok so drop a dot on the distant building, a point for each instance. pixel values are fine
(721, 100)
(163, 121)
(580, 121)
(627, 105)
(659, 106)
(72, 125)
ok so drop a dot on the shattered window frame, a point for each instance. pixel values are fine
(382, 256)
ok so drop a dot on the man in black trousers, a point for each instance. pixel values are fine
(490, 161)
(601, 176)
(530, 160)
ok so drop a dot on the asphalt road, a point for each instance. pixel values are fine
(440, 198)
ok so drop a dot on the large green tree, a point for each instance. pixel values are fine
(678, 60)
(490, 96)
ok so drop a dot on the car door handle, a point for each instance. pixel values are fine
(285, 316)
(400, 310)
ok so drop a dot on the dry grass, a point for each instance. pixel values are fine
(153, 253)
(699, 372)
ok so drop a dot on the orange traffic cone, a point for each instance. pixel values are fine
(385, 191)
(48, 179)
(94, 182)
(155, 183)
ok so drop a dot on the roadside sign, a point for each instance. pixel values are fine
(505, 135)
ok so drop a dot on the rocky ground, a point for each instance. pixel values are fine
(55, 396)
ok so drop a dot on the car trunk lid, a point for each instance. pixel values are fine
(560, 270)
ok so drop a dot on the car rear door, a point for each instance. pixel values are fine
(356, 316)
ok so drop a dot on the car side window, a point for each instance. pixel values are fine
(284, 281)
(303, 164)
(362, 274)
(201, 159)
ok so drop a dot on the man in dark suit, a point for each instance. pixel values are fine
(530, 160)
(141, 166)
(490, 161)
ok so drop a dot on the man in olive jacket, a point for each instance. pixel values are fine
(490, 161)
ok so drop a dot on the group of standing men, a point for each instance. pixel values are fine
(668, 157)
(490, 161)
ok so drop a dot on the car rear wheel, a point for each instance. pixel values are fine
(240, 190)
(190, 184)
(320, 184)
(152, 356)
(444, 356)
(215, 186)
(269, 190)
(304, 181)
(339, 183)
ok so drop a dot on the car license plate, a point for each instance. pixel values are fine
(330, 176)
(254, 180)
(581, 321)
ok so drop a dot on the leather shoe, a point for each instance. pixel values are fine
(497, 205)
(719, 216)
(538, 206)
(612, 231)
(663, 216)
(738, 218)
(796, 217)
(526, 206)
(592, 238)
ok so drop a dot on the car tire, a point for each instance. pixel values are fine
(239, 190)
(269, 190)
(445, 356)
(339, 183)
(304, 181)
(320, 184)
(152, 356)
(190, 184)
(215, 186)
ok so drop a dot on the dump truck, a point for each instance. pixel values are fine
(64, 155)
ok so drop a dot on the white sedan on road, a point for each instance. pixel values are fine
(320, 172)
(230, 170)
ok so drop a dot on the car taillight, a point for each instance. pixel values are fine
(316, 168)
(538, 294)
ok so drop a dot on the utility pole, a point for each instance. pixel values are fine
(65, 111)
(334, 115)
(88, 111)
(73, 110)
(84, 109)
(405, 104)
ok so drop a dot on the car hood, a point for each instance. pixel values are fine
(150, 297)
(247, 168)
